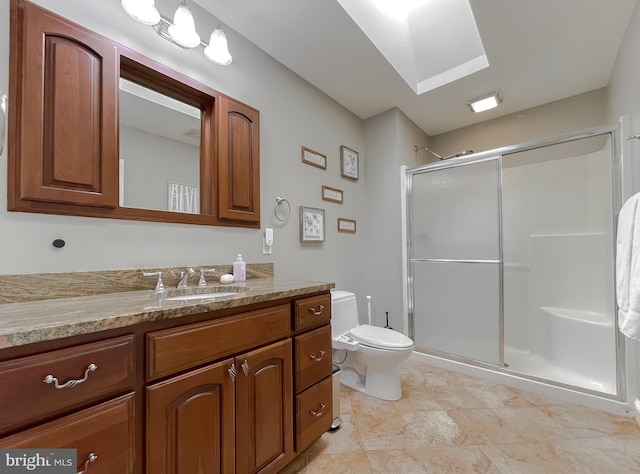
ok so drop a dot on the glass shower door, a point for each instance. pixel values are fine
(455, 260)
(558, 245)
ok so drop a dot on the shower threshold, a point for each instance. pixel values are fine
(523, 362)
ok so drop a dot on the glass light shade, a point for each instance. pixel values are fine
(183, 29)
(143, 11)
(218, 49)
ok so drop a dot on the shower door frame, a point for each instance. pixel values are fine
(614, 131)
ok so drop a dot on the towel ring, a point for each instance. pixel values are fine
(279, 201)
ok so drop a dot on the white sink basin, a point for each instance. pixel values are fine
(202, 296)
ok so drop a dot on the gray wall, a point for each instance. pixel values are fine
(390, 138)
(549, 120)
(293, 114)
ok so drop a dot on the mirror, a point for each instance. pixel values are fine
(159, 151)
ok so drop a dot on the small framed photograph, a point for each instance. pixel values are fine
(349, 166)
(346, 225)
(314, 158)
(311, 224)
(332, 194)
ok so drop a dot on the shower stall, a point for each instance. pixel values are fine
(510, 261)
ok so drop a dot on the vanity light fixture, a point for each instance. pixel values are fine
(181, 31)
(218, 50)
(485, 102)
(143, 11)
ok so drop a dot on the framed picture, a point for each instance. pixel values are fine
(331, 194)
(314, 158)
(346, 225)
(311, 224)
(349, 166)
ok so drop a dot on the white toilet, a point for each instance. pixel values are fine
(368, 356)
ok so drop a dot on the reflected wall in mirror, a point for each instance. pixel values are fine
(159, 151)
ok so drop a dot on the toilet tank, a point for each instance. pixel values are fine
(344, 312)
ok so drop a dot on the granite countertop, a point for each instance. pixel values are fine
(36, 321)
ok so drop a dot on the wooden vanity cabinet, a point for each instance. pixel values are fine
(241, 393)
(235, 411)
(239, 411)
(313, 401)
(95, 408)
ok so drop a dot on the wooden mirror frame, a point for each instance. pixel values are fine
(149, 74)
(62, 165)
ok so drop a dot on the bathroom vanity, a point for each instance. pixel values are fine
(139, 384)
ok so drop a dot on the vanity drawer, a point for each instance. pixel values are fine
(312, 312)
(26, 397)
(314, 413)
(312, 357)
(105, 430)
(172, 350)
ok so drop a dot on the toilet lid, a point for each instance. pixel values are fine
(380, 337)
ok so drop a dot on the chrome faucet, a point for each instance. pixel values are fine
(184, 278)
(159, 285)
(202, 283)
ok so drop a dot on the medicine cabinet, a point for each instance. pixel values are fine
(99, 130)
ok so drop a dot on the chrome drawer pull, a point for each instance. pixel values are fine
(72, 382)
(232, 372)
(319, 412)
(317, 313)
(245, 368)
(317, 358)
(92, 457)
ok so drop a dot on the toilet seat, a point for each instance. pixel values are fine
(381, 338)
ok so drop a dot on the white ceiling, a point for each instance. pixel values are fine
(539, 51)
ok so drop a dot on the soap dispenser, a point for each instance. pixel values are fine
(239, 269)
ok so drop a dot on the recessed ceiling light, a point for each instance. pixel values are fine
(485, 102)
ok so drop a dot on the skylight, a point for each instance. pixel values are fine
(430, 43)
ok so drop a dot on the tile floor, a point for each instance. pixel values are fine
(453, 423)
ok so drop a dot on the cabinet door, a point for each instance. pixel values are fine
(103, 436)
(264, 409)
(238, 162)
(66, 125)
(190, 422)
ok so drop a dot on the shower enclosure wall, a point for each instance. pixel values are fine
(511, 261)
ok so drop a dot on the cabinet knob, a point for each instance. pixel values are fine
(73, 382)
(318, 413)
(92, 457)
(317, 358)
(245, 368)
(317, 313)
(232, 372)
